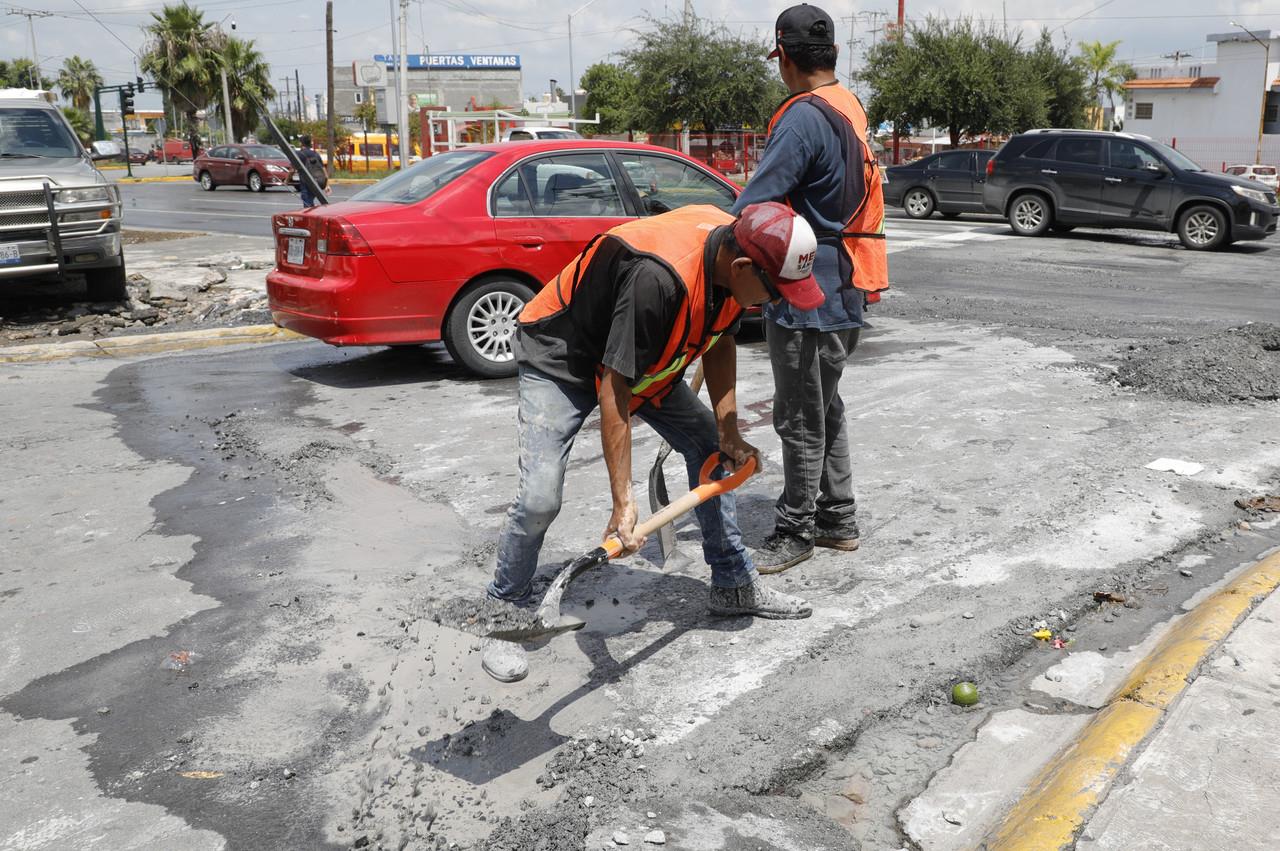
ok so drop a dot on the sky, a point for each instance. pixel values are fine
(291, 32)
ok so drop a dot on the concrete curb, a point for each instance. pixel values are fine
(353, 181)
(147, 344)
(1075, 781)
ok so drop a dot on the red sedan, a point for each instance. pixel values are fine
(452, 248)
(254, 166)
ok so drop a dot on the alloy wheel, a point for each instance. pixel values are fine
(255, 182)
(1029, 214)
(491, 325)
(1202, 228)
(918, 204)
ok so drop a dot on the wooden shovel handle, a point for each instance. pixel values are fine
(708, 488)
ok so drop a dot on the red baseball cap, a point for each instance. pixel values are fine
(784, 246)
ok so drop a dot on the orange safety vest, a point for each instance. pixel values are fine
(677, 240)
(863, 233)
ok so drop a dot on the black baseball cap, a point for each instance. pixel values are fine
(801, 26)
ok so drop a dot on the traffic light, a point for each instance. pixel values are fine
(126, 100)
(142, 87)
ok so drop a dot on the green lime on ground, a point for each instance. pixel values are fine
(964, 694)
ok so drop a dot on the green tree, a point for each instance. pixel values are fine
(1063, 79)
(80, 122)
(694, 73)
(1106, 76)
(367, 112)
(182, 55)
(611, 91)
(248, 83)
(20, 74)
(77, 81)
(961, 75)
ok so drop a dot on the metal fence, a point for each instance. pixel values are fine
(1216, 153)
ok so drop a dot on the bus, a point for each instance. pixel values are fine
(372, 151)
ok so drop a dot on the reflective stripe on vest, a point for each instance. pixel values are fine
(677, 240)
(863, 232)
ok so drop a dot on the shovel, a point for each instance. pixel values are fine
(548, 621)
(658, 498)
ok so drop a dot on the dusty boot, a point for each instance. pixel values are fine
(844, 538)
(759, 600)
(780, 551)
(505, 661)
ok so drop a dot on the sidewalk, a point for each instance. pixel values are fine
(1210, 777)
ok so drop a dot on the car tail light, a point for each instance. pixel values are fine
(991, 166)
(340, 238)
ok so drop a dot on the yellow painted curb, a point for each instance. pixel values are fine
(147, 344)
(172, 178)
(1048, 817)
(354, 180)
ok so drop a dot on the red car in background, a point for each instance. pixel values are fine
(254, 166)
(452, 248)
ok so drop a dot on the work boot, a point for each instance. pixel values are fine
(505, 661)
(844, 538)
(780, 551)
(759, 600)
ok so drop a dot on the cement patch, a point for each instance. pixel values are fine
(985, 778)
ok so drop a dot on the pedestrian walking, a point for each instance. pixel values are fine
(617, 329)
(817, 161)
(316, 168)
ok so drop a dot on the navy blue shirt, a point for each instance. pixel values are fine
(803, 162)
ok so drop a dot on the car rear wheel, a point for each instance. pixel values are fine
(481, 328)
(255, 182)
(1203, 228)
(206, 182)
(918, 203)
(1029, 215)
(106, 284)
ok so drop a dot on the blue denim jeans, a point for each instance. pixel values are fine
(551, 414)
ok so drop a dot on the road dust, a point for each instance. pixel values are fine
(1236, 365)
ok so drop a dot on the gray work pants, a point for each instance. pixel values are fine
(808, 415)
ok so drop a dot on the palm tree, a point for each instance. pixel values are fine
(77, 81)
(80, 122)
(1107, 76)
(182, 55)
(248, 82)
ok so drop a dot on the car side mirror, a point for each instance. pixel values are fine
(1155, 168)
(654, 207)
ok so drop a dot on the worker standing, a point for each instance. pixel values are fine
(617, 329)
(817, 161)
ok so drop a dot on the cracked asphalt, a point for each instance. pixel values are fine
(213, 567)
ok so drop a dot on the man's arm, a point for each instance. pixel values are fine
(781, 170)
(615, 440)
(720, 369)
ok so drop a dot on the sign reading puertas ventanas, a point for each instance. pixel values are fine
(456, 61)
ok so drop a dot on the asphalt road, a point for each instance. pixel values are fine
(227, 209)
(213, 568)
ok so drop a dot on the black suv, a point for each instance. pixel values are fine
(1062, 179)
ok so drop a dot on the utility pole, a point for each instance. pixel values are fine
(897, 138)
(288, 96)
(330, 118)
(403, 93)
(1177, 56)
(297, 90)
(30, 15)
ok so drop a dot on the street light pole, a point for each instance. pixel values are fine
(1266, 79)
(403, 93)
(573, 79)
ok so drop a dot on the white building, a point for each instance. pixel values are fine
(1210, 109)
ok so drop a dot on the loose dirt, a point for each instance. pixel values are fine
(1236, 365)
(482, 615)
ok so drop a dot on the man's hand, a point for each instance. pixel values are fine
(737, 450)
(622, 522)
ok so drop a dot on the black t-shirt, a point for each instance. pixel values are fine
(621, 316)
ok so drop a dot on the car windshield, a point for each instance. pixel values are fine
(34, 133)
(424, 179)
(1264, 170)
(1176, 157)
(263, 152)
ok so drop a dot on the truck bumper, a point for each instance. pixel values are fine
(37, 257)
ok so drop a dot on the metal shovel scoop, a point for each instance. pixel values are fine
(658, 498)
(547, 621)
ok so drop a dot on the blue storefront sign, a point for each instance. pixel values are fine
(456, 61)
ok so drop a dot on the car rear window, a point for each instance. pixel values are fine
(1264, 169)
(1079, 151)
(1041, 150)
(424, 179)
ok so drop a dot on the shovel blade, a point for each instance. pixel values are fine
(659, 499)
(542, 629)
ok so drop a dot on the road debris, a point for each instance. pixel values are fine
(1042, 634)
(201, 775)
(964, 694)
(178, 660)
(482, 616)
(1174, 465)
(1269, 502)
(655, 837)
(1236, 365)
(1108, 597)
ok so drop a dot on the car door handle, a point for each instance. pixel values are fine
(1113, 180)
(530, 241)
(1047, 171)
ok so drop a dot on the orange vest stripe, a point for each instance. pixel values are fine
(863, 232)
(677, 240)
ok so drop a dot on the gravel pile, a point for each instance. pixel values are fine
(1235, 365)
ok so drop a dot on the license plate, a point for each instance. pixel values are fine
(297, 245)
(9, 255)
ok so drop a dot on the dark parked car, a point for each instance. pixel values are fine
(1062, 179)
(949, 182)
(254, 166)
